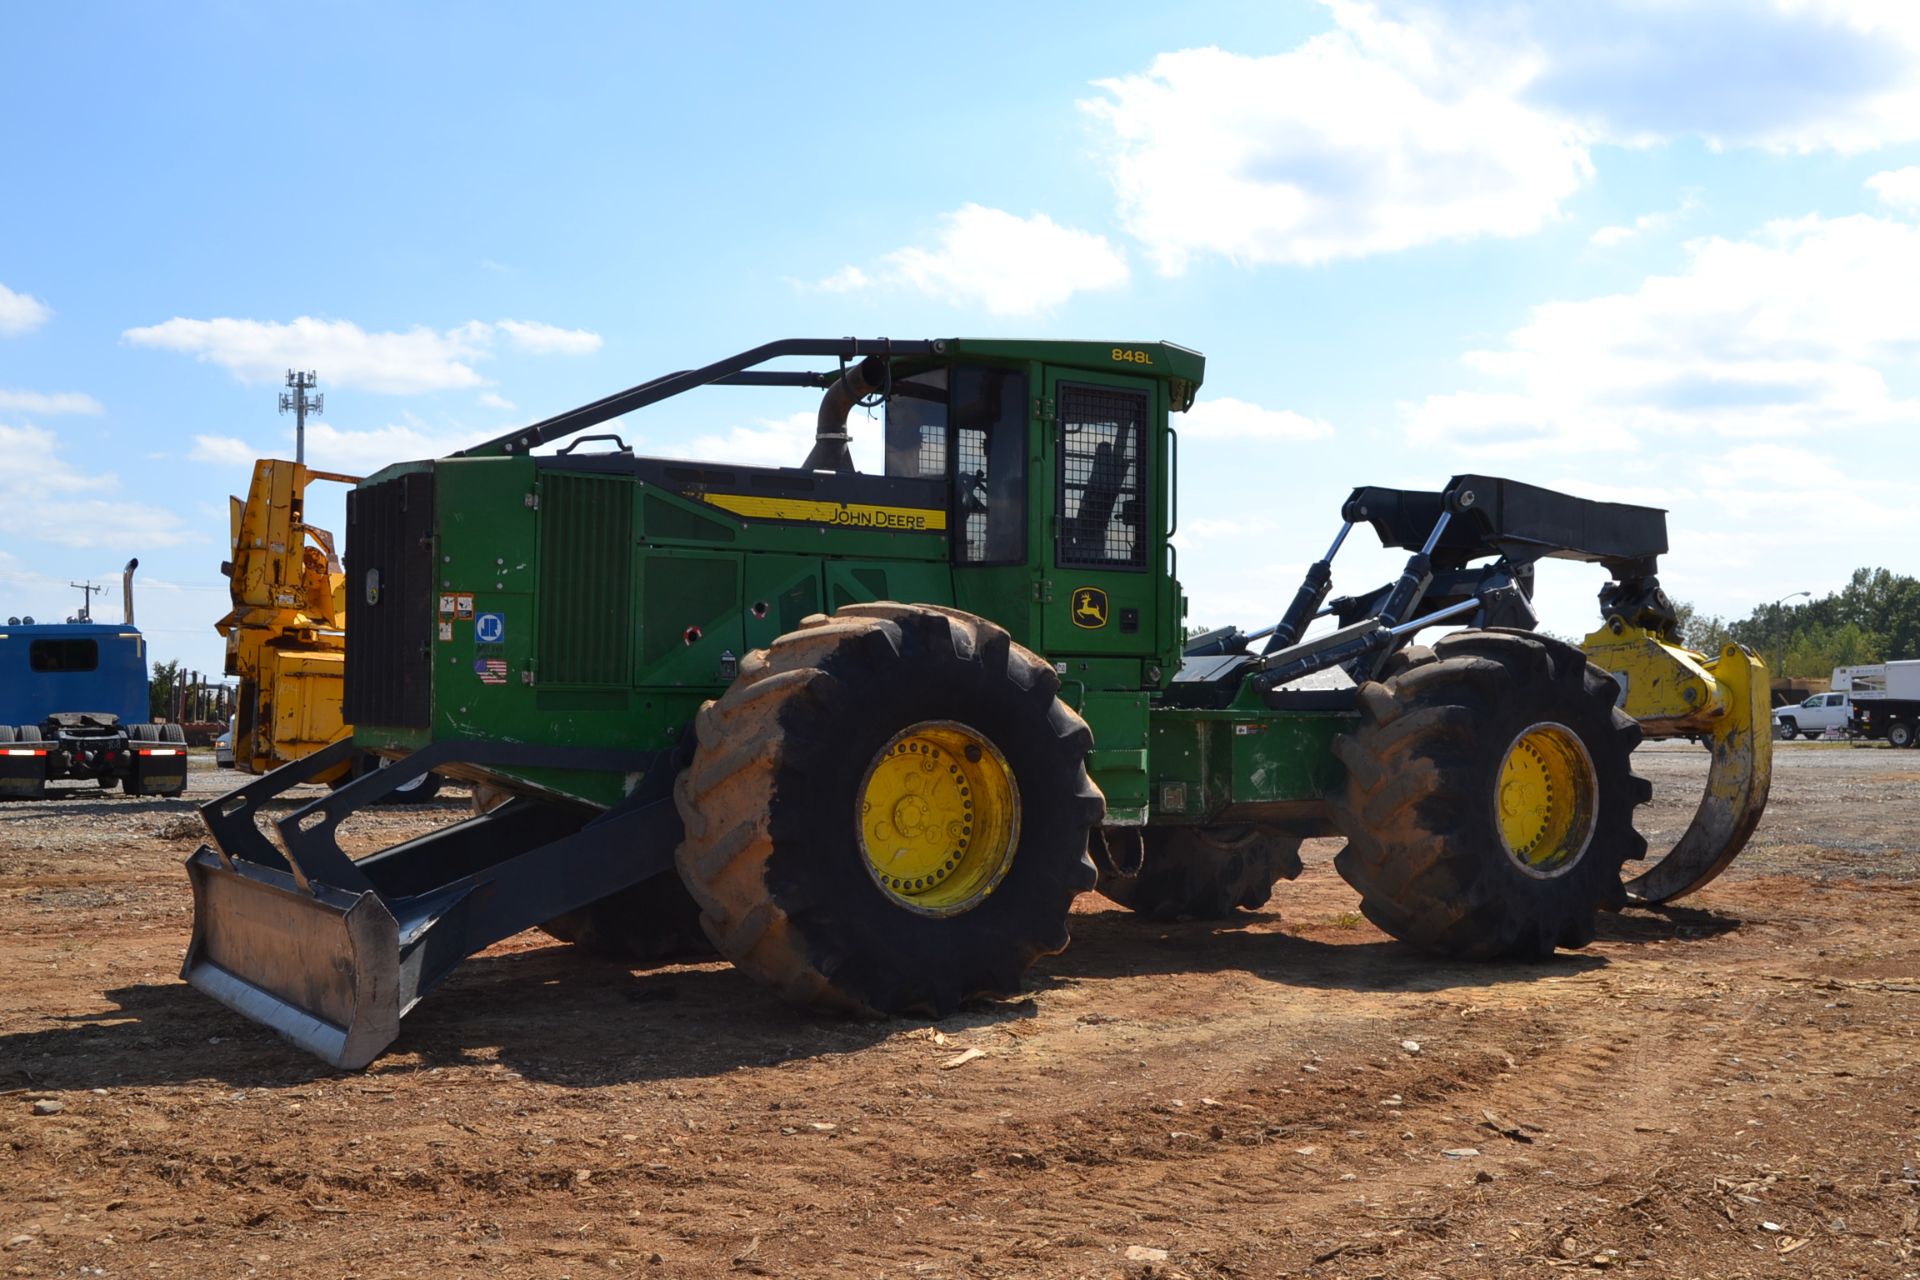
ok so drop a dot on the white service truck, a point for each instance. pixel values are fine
(1885, 698)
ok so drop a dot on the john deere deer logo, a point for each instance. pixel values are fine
(1089, 607)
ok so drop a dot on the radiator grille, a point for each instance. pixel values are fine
(586, 579)
(390, 602)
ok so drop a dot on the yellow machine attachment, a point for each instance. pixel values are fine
(286, 635)
(1676, 692)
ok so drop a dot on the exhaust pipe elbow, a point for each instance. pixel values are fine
(126, 589)
(830, 437)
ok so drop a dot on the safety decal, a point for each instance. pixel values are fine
(463, 605)
(446, 630)
(489, 647)
(1090, 607)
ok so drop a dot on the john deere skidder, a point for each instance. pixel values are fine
(868, 735)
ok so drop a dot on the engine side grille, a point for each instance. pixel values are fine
(390, 602)
(586, 579)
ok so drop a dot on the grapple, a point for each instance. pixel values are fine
(1676, 692)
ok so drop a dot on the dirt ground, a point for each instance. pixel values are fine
(1725, 1090)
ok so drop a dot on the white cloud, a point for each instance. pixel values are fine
(21, 312)
(997, 261)
(355, 451)
(396, 363)
(56, 502)
(1793, 76)
(1610, 237)
(1412, 122)
(846, 280)
(489, 400)
(48, 404)
(1225, 418)
(781, 442)
(1899, 188)
(223, 450)
(547, 339)
(1375, 136)
(1791, 333)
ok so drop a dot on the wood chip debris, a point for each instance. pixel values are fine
(962, 1058)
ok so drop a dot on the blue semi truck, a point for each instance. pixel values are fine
(73, 707)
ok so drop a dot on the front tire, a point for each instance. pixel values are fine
(889, 811)
(1489, 800)
(1203, 873)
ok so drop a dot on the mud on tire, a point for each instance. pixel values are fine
(1424, 844)
(1200, 873)
(773, 852)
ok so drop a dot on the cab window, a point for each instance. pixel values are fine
(969, 427)
(1103, 491)
(917, 426)
(64, 655)
(990, 466)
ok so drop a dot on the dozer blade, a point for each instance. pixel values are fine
(322, 968)
(1675, 692)
(333, 952)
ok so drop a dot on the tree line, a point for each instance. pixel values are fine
(1874, 618)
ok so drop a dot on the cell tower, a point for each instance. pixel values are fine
(302, 404)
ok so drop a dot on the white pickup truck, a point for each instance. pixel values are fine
(1810, 719)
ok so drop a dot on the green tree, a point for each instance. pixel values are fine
(1817, 650)
(163, 689)
(1705, 632)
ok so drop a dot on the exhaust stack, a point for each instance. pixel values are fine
(126, 589)
(830, 437)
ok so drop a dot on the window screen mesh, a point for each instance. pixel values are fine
(1103, 506)
(971, 446)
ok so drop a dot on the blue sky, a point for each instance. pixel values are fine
(1666, 252)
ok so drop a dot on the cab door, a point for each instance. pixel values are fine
(1107, 522)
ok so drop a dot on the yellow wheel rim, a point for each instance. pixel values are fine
(1545, 799)
(939, 818)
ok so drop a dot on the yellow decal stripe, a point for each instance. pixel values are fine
(851, 515)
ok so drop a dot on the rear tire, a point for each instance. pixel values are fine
(1203, 873)
(784, 798)
(1443, 775)
(1901, 734)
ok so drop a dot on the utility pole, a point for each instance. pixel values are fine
(302, 404)
(86, 609)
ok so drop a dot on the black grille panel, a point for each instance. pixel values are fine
(586, 579)
(389, 636)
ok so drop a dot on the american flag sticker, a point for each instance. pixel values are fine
(490, 670)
